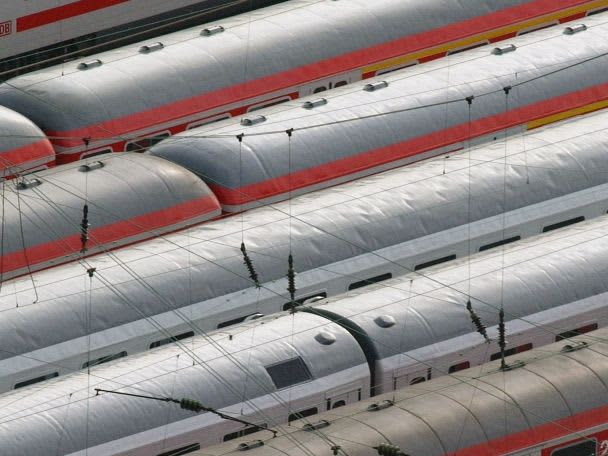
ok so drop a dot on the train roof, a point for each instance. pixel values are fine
(23, 146)
(354, 128)
(540, 274)
(191, 267)
(218, 373)
(128, 197)
(64, 98)
(474, 409)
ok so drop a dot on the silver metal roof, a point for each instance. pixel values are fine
(328, 226)
(129, 197)
(540, 274)
(17, 134)
(63, 98)
(331, 141)
(451, 413)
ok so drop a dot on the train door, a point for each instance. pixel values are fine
(339, 398)
(402, 378)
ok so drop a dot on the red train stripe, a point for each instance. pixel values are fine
(539, 434)
(104, 235)
(304, 74)
(60, 13)
(35, 152)
(409, 148)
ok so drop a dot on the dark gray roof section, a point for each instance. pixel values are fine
(63, 98)
(129, 197)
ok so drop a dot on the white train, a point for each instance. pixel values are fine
(341, 239)
(130, 98)
(333, 353)
(556, 405)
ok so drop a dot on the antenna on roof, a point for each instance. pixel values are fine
(192, 405)
(481, 329)
(253, 275)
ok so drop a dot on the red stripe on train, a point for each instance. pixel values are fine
(60, 13)
(107, 234)
(409, 148)
(540, 434)
(304, 74)
(35, 152)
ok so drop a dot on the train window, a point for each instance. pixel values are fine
(290, 372)
(428, 264)
(559, 225)
(458, 367)
(268, 104)
(340, 84)
(36, 380)
(208, 120)
(499, 243)
(242, 432)
(396, 68)
(302, 414)
(104, 359)
(320, 89)
(145, 143)
(171, 339)
(417, 380)
(597, 11)
(370, 281)
(183, 450)
(99, 152)
(585, 448)
(338, 404)
(300, 301)
(468, 48)
(536, 29)
(234, 321)
(512, 351)
(576, 332)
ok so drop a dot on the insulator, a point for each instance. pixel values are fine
(502, 343)
(249, 264)
(481, 329)
(84, 229)
(291, 279)
(191, 404)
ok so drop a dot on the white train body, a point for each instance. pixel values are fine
(333, 353)
(337, 241)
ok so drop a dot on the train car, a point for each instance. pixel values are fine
(555, 404)
(364, 232)
(130, 98)
(28, 249)
(22, 144)
(35, 32)
(333, 353)
(61, 214)
(403, 117)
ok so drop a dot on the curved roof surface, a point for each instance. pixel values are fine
(474, 409)
(329, 226)
(129, 197)
(63, 98)
(23, 146)
(541, 274)
(357, 131)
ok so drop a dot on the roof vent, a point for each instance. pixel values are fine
(90, 167)
(572, 29)
(376, 406)
(314, 103)
(25, 184)
(250, 445)
(574, 346)
(249, 121)
(309, 427)
(325, 338)
(504, 49)
(213, 30)
(90, 64)
(151, 47)
(385, 321)
(372, 87)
